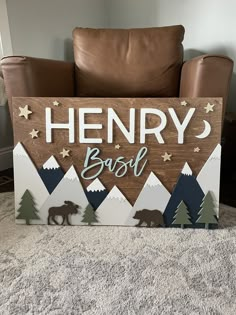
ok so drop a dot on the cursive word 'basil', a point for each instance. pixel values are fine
(118, 166)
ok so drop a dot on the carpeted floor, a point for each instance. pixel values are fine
(110, 270)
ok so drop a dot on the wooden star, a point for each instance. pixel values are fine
(34, 133)
(56, 103)
(25, 112)
(197, 149)
(184, 103)
(65, 153)
(209, 108)
(117, 146)
(166, 157)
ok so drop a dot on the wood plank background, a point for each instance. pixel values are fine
(130, 185)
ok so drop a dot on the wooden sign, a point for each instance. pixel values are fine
(117, 161)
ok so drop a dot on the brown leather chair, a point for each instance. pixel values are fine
(121, 63)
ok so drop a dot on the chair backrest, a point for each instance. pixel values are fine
(128, 62)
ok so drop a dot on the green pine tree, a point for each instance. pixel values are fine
(27, 211)
(182, 216)
(207, 213)
(90, 215)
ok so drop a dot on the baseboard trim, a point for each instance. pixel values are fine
(6, 158)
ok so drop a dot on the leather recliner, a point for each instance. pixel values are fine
(121, 63)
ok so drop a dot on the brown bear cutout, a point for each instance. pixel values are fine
(152, 218)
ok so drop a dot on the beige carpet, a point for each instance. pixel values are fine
(110, 270)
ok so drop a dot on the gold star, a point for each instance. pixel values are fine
(197, 149)
(65, 153)
(56, 103)
(209, 108)
(166, 157)
(34, 133)
(24, 111)
(117, 146)
(184, 103)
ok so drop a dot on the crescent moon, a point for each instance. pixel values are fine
(206, 131)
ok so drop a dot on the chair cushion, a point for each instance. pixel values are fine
(128, 62)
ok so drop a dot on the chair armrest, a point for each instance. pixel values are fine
(27, 76)
(207, 76)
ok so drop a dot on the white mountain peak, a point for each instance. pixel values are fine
(216, 153)
(19, 150)
(96, 185)
(51, 163)
(152, 181)
(71, 174)
(115, 193)
(186, 169)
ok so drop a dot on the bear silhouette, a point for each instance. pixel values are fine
(150, 217)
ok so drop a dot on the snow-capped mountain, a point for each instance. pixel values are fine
(69, 188)
(186, 170)
(51, 174)
(115, 193)
(209, 176)
(51, 163)
(187, 189)
(26, 177)
(153, 196)
(96, 185)
(96, 193)
(115, 209)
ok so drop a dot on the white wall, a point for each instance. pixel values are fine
(6, 137)
(209, 28)
(5, 39)
(209, 25)
(43, 28)
(132, 13)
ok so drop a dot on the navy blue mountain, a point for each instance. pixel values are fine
(51, 174)
(187, 189)
(96, 193)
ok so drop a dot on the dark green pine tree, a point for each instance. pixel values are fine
(182, 216)
(27, 210)
(207, 213)
(90, 215)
